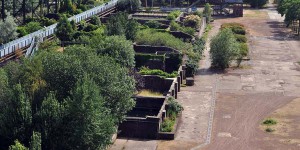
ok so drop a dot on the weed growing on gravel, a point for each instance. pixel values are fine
(270, 122)
(269, 130)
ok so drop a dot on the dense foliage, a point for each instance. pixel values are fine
(74, 99)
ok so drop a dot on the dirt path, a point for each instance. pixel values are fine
(247, 96)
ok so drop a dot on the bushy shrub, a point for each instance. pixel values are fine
(223, 49)
(173, 106)
(21, 31)
(198, 13)
(241, 38)
(199, 45)
(28, 28)
(95, 20)
(236, 28)
(32, 27)
(174, 26)
(270, 122)
(188, 30)
(192, 21)
(167, 125)
(90, 27)
(173, 15)
(153, 24)
(191, 67)
(243, 49)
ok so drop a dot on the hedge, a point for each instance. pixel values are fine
(147, 71)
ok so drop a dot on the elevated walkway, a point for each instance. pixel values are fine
(7, 50)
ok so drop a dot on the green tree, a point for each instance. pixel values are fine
(223, 49)
(49, 120)
(13, 71)
(207, 12)
(17, 146)
(31, 77)
(8, 29)
(283, 6)
(64, 29)
(61, 72)
(4, 87)
(116, 24)
(293, 13)
(117, 47)
(129, 5)
(90, 123)
(36, 141)
(119, 24)
(15, 116)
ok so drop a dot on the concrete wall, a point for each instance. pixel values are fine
(147, 128)
(157, 84)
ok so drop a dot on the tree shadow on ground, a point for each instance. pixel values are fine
(210, 71)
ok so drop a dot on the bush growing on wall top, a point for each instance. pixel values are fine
(192, 21)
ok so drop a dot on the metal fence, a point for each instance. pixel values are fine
(25, 41)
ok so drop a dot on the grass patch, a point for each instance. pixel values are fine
(270, 122)
(167, 125)
(149, 93)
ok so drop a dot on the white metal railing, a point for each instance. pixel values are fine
(24, 41)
